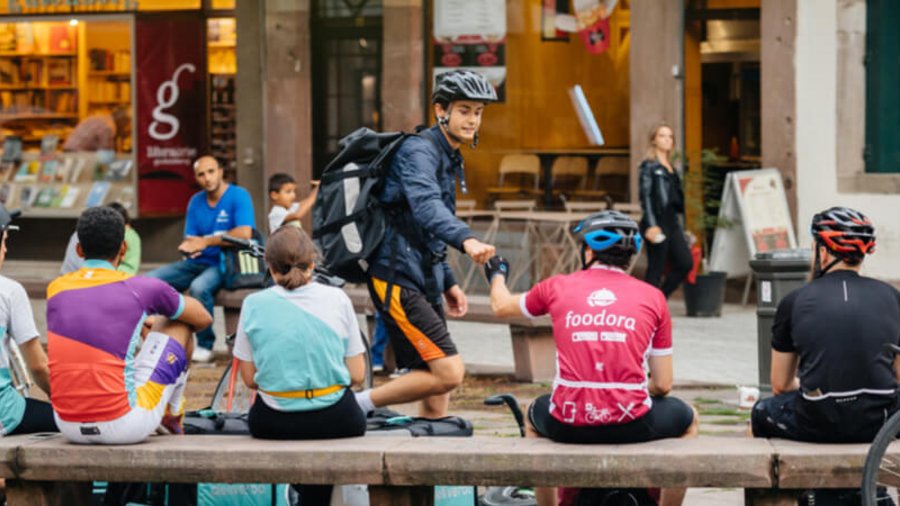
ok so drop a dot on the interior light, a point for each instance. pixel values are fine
(73, 22)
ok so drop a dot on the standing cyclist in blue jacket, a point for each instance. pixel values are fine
(410, 270)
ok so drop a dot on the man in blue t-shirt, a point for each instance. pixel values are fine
(221, 208)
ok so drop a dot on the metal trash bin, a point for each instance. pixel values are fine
(777, 273)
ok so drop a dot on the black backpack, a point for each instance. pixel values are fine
(349, 222)
(240, 269)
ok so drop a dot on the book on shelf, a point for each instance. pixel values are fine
(119, 170)
(48, 170)
(49, 143)
(45, 196)
(12, 148)
(97, 195)
(77, 168)
(24, 38)
(27, 195)
(28, 172)
(7, 169)
(8, 37)
(5, 193)
(72, 193)
(64, 169)
(61, 39)
(58, 195)
(59, 72)
(126, 198)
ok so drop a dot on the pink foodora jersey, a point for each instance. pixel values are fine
(606, 325)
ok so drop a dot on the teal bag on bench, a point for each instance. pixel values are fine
(188, 494)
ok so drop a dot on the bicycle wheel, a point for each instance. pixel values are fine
(881, 473)
(231, 394)
(367, 357)
(18, 370)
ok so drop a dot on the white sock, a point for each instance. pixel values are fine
(364, 399)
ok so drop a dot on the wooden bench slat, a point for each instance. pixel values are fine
(705, 462)
(8, 448)
(805, 465)
(221, 459)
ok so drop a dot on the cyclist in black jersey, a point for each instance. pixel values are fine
(832, 379)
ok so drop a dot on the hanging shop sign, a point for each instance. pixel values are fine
(171, 110)
(471, 34)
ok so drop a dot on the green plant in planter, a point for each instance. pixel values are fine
(702, 199)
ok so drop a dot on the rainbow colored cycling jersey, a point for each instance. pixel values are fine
(94, 321)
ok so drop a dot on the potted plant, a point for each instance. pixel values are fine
(704, 290)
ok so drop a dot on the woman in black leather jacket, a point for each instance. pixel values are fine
(662, 201)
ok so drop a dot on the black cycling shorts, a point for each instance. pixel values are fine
(856, 419)
(417, 329)
(38, 417)
(341, 419)
(669, 417)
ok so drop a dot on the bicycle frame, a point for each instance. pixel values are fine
(18, 369)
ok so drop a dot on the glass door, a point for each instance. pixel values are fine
(347, 47)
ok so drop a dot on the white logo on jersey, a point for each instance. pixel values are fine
(583, 336)
(602, 297)
(598, 319)
(613, 337)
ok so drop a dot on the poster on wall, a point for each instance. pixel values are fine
(471, 34)
(590, 22)
(549, 11)
(754, 200)
(171, 110)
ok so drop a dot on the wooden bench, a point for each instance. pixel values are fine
(400, 471)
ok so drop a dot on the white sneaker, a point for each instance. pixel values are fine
(203, 355)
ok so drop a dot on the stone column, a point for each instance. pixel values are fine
(656, 63)
(403, 79)
(778, 31)
(274, 94)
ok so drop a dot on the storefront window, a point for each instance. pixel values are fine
(20, 7)
(222, 39)
(66, 115)
(341, 9)
(223, 4)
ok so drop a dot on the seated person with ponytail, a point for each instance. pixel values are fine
(299, 345)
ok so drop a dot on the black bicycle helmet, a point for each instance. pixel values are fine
(608, 231)
(847, 233)
(462, 85)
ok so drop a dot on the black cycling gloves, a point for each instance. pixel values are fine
(496, 265)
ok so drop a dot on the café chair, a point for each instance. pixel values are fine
(520, 177)
(610, 180)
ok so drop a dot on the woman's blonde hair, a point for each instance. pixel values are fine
(290, 253)
(651, 147)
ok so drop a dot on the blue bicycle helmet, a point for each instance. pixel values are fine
(609, 232)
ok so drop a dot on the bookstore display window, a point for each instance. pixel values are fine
(65, 115)
(222, 63)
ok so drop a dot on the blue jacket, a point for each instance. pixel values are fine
(421, 183)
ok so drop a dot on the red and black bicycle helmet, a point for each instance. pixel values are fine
(846, 233)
